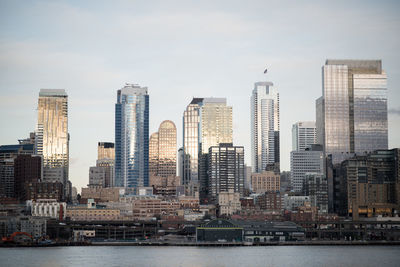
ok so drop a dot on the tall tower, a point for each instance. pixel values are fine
(264, 127)
(52, 138)
(353, 108)
(206, 122)
(132, 137)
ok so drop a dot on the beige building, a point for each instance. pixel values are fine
(267, 181)
(101, 194)
(92, 213)
(229, 202)
(105, 150)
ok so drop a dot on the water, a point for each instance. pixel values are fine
(202, 256)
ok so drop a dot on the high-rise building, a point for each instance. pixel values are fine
(316, 187)
(206, 122)
(225, 170)
(264, 126)
(105, 150)
(52, 137)
(132, 137)
(352, 112)
(310, 160)
(27, 168)
(162, 155)
(303, 135)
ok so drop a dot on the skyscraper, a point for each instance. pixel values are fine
(303, 135)
(264, 126)
(206, 122)
(226, 169)
(52, 137)
(352, 112)
(162, 155)
(132, 137)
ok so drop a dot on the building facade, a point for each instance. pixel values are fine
(352, 112)
(52, 137)
(303, 135)
(206, 122)
(264, 126)
(310, 160)
(132, 137)
(266, 181)
(225, 170)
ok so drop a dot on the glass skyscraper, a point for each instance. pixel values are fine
(352, 112)
(264, 127)
(206, 122)
(52, 138)
(132, 137)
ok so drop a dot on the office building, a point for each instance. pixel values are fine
(352, 112)
(206, 122)
(310, 160)
(162, 156)
(266, 181)
(27, 168)
(265, 149)
(225, 170)
(303, 135)
(105, 150)
(132, 137)
(316, 187)
(52, 137)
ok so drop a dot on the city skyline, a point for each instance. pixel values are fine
(228, 71)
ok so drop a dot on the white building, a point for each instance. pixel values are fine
(303, 135)
(264, 126)
(47, 208)
(293, 202)
(229, 202)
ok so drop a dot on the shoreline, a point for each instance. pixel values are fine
(210, 244)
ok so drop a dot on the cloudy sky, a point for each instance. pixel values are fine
(180, 50)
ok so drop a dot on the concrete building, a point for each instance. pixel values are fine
(303, 135)
(52, 137)
(228, 202)
(352, 112)
(225, 170)
(310, 160)
(266, 181)
(265, 149)
(132, 137)
(291, 203)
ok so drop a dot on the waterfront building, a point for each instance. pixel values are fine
(206, 122)
(52, 137)
(266, 181)
(225, 170)
(95, 213)
(310, 160)
(303, 135)
(132, 137)
(219, 230)
(352, 112)
(369, 185)
(50, 208)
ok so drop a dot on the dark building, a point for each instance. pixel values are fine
(219, 230)
(368, 185)
(44, 190)
(270, 201)
(225, 169)
(8, 153)
(27, 169)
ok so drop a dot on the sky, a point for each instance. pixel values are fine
(181, 50)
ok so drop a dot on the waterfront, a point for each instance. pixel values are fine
(200, 256)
